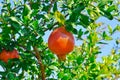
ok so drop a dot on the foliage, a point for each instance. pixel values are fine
(23, 24)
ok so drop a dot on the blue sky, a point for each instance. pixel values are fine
(107, 48)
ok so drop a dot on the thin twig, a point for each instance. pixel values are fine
(52, 26)
(37, 55)
(16, 7)
(52, 2)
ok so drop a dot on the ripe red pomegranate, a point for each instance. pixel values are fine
(61, 42)
(6, 55)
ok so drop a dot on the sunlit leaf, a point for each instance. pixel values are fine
(60, 17)
(110, 29)
(111, 8)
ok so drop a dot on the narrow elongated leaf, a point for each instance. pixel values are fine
(110, 29)
(55, 7)
(102, 43)
(26, 10)
(80, 33)
(15, 20)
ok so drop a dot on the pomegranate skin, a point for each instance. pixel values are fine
(61, 42)
(6, 55)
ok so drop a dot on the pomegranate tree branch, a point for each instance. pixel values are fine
(37, 55)
(52, 2)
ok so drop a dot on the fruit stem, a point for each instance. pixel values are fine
(61, 57)
(37, 55)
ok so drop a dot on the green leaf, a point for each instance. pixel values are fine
(79, 8)
(11, 76)
(91, 59)
(55, 7)
(25, 31)
(16, 26)
(94, 14)
(76, 12)
(69, 27)
(35, 24)
(60, 17)
(53, 67)
(73, 17)
(9, 6)
(46, 8)
(2, 73)
(39, 40)
(86, 32)
(69, 3)
(80, 33)
(26, 15)
(33, 37)
(102, 4)
(93, 66)
(108, 15)
(84, 19)
(28, 46)
(15, 19)
(83, 77)
(15, 69)
(75, 31)
(66, 76)
(102, 43)
(60, 74)
(110, 29)
(118, 27)
(111, 8)
(80, 60)
(2, 64)
(35, 5)
(41, 32)
(26, 10)
(106, 36)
